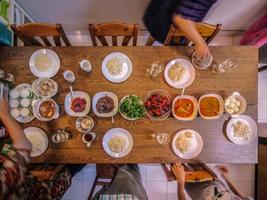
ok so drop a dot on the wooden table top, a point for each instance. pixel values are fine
(217, 149)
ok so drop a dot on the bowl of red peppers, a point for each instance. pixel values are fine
(158, 105)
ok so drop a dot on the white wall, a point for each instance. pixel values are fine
(76, 14)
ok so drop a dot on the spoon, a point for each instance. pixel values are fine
(72, 93)
(221, 115)
(112, 118)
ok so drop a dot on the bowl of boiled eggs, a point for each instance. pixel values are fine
(235, 104)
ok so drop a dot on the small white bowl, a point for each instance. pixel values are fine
(242, 107)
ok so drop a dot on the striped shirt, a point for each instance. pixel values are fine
(118, 197)
(194, 10)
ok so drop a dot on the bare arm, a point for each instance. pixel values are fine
(191, 33)
(19, 139)
(178, 171)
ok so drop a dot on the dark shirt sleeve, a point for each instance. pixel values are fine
(194, 10)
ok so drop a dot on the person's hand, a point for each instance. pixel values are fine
(202, 50)
(178, 171)
(4, 108)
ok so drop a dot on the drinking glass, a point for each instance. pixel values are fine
(155, 69)
(223, 66)
(161, 138)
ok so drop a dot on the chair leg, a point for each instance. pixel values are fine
(262, 68)
(93, 189)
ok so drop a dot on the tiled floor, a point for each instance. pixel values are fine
(153, 178)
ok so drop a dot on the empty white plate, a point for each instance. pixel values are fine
(103, 94)
(246, 120)
(38, 139)
(188, 77)
(126, 67)
(122, 133)
(196, 145)
(52, 70)
(68, 100)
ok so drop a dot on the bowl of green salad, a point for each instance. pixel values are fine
(132, 107)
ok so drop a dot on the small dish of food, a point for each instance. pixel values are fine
(179, 73)
(20, 103)
(185, 107)
(78, 105)
(158, 105)
(45, 87)
(132, 107)
(105, 104)
(84, 124)
(235, 104)
(187, 144)
(241, 130)
(46, 109)
(210, 106)
(117, 142)
(44, 63)
(117, 67)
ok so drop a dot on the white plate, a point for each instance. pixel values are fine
(52, 70)
(197, 145)
(118, 132)
(100, 95)
(249, 121)
(188, 78)
(80, 94)
(31, 116)
(193, 99)
(37, 81)
(38, 139)
(126, 68)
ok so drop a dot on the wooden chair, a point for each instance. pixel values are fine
(45, 172)
(207, 31)
(36, 34)
(103, 171)
(197, 172)
(113, 29)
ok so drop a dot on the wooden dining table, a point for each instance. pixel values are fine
(216, 147)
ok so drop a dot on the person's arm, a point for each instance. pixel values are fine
(19, 139)
(233, 188)
(178, 171)
(189, 29)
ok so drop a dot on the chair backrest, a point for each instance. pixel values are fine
(37, 34)
(207, 31)
(197, 172)
(114, 30)
(45, 172)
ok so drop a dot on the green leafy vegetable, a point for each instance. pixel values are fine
(133, 107)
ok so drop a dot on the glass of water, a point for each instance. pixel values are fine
(223, 66)
(161, 138)
(155, 69)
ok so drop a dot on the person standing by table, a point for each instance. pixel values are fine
(207, 190)
(15, 180)
(160, 14)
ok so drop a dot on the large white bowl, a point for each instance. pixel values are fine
(197, 145)
(126, 68)
(188, 78)
(53, 70)
(115, 132)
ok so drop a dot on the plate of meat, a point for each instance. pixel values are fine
(105, 104)
(78, 104)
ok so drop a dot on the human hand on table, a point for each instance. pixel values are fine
(178, 171)
(4, 108)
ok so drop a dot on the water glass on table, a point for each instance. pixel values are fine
(155, 69)
(161, 138)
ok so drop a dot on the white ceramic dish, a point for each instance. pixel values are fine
(38, 139)
(243, 104)
(189, 75)
(52, 71)
(78, 124)
(125, 116)
(36, 107)
(103, 94)
(126, 68)
(37, 82)
(197, 145)
(118, 132)
(247, 120)
(220, 112)
(195, 112)
(80, 94)
(31, 117)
